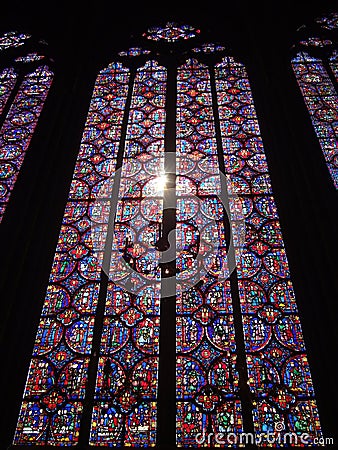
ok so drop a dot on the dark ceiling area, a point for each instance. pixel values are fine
(96, 25)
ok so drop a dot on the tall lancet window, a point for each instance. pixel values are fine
(315, 65)
(25, 78)
(170, 316)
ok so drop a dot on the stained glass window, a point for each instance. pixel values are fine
(55, 388)
(156, 129)
(315, 67)
(23, 91)
(207, 380)
(125, 406)
(278, 371)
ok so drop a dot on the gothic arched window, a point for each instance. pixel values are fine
(315, 65)
(25, 79)
(170, 301)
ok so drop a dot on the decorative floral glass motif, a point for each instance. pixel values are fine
(171, 32)
(55, 389)
(279, 375)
